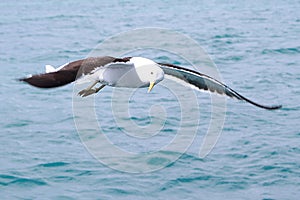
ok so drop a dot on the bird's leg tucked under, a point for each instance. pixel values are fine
(99, 88)
(88, 91)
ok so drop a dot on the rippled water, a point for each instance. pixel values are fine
(256, 48)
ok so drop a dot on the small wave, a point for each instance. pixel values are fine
(119, 191)
(18, 124)
(273, 182)
(6, 179)
(54, 164)
(52, 18)
(87, 50)
(28, 182)
(183, 180)
(197, 178)
(158, 161)
(14, 180)
(234, 58)
(226, 36)
(291, 108)
(269, 167)
(293, 50)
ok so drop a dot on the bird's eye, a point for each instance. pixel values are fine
(151, 73)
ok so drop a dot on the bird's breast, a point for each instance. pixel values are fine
(122, 77)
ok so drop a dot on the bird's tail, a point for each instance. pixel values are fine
(50, 68)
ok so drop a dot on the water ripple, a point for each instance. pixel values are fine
(8, 180)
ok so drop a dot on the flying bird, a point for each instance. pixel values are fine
(131, 72)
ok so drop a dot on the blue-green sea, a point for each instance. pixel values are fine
(256, 48)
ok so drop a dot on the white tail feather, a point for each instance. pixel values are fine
(49, 69)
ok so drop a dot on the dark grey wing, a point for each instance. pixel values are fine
(90, 64)
(204, 82)
(68, 73)
(55, 79)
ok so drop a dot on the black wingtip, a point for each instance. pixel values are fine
(276, 107)
(24, 79)
(21, 79)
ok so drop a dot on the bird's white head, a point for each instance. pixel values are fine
(148, 71)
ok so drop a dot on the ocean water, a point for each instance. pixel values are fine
(256, 47)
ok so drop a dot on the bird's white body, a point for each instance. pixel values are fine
(137, 72)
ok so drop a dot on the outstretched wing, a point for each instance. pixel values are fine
(204, 82)
(55, 79)
(69, 72)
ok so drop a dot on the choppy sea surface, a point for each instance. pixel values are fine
(256, 47)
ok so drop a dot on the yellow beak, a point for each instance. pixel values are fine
(150, 86)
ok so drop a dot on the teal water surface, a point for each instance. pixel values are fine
(256, 47)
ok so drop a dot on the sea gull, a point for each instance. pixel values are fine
(131, 72)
